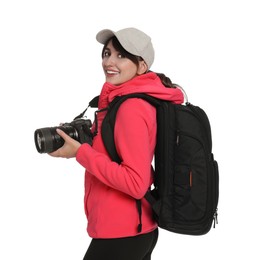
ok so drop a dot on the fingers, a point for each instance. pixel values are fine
(62, 133)
(69, 149)
(65, 136)
(55, 153)
(59, 152)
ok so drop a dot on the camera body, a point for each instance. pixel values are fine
(47, 139)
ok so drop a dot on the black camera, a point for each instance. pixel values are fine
(47, 139)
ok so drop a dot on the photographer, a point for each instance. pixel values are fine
(111, 189)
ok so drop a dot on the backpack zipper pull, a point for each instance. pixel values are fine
(215, 218)
(177, 138)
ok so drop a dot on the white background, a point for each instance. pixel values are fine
(50, 67)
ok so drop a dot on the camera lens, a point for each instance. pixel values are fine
(47, 140)
(38, 141)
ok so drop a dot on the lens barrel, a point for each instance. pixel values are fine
(47, 140)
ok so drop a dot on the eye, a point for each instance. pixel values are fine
(121, 56)
(106, 53)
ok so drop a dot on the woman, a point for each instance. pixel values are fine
(111, 189)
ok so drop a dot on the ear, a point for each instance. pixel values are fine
(142, 68)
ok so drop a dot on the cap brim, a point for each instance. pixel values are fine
(104, 35)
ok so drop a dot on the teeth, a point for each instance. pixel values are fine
(111, 72)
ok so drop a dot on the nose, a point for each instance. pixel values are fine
(109, 61)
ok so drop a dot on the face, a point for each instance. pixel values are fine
(119, 69)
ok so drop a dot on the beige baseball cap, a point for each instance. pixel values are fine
(133, 41)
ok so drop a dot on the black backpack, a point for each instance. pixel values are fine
(186, 186)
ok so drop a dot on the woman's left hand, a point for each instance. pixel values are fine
(69, 149)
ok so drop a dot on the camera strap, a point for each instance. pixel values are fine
(93, 103)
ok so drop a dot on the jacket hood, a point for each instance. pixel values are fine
(148, 83)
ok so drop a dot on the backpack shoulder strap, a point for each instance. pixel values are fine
(109, 121)
(108, 133)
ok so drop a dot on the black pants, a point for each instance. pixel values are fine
(129, 248)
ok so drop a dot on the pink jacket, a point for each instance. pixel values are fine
(110, 188)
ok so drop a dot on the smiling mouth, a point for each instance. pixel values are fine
(111, 72)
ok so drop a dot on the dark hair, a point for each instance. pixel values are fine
(135, 59)
(166, 81)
